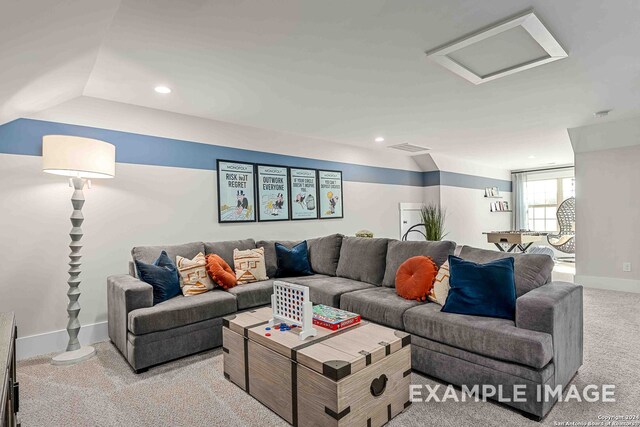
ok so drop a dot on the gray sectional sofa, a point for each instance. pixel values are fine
(542, 346)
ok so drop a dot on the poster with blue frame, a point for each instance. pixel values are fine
(304, 193)
(273, 193)
(236, 191)
(330, 194)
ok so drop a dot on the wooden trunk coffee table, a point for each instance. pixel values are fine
(358, 376)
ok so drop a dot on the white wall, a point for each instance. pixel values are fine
(453, 164)
(432, 194)
(468, 211)
(608, 218)
(469, 215)
(607, 204)
(148, 205)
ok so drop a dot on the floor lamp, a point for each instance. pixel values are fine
(81, 159)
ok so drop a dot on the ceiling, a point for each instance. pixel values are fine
(345, 71)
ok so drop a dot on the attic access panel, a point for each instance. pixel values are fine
(506, 48)
(410, 148)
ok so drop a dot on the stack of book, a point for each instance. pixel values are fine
(333, 318)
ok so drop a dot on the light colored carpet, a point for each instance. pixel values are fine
(192, 391)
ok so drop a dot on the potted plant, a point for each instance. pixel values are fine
(432, 218)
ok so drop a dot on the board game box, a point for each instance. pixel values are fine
(333, 318)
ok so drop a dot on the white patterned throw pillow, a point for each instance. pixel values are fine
(440, 288)
(249, 265)
(193, 275)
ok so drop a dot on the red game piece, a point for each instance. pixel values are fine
(267, 334)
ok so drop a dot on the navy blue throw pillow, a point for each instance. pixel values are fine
(162, 275)
(294, 261)
(481, 289)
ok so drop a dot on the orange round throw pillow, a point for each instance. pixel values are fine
(220, 272)
(415, 277)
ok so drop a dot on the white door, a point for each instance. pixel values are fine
(410, 216)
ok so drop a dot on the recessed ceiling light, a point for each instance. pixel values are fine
(162, 89)
(532, 157)
(379, 139)
(603, 113)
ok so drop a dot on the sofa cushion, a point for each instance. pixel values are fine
(380, 305)
(491, 337)
(363, 259)
(259, 293)
(440, 289)
(531, 270)
(415, 277)
(293, 261)
(249, 265)
(180, 311)
(163, 277)
(398, 252)
(327, 290)
(220, 272)
(438, 355)
(482, 289)
(148, 254)
(194, 278)
(270, 257)
(324, 254)
(253, 294)
(225, 249)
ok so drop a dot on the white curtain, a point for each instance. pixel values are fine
(520, 208)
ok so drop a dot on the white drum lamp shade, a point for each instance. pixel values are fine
(78, 157)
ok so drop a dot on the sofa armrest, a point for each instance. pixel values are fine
(125, 293)
(556, 308)
(132, 269)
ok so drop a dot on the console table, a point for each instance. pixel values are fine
(515, 239)
(9, 386)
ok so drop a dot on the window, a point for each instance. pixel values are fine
(568, 188)
(543, 196)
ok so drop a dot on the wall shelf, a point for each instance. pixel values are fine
(493, 197)
(502, 211)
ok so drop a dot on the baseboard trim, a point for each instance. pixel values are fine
(608, 283)
(56, 341)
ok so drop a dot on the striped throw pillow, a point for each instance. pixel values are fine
(440, 288)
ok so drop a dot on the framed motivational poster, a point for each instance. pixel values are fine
(330, 194)
(304, 193)
(273, 193)
(236, 192)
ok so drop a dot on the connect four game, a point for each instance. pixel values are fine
(290, 304)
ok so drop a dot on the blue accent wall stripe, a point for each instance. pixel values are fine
(453, 179)
(431, 179)
(24, 136)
